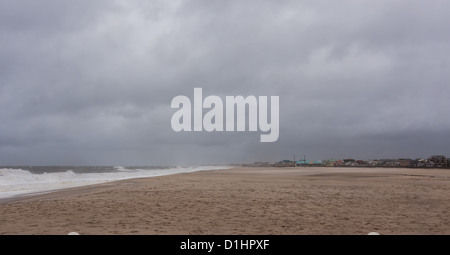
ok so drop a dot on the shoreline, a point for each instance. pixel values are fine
(244, 201)
(30, 193)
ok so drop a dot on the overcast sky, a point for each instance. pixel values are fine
(91, 82)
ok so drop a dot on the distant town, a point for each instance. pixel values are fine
(436, 161)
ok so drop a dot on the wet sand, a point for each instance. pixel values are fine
(299, 201)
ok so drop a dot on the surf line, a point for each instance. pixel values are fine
(214, 119)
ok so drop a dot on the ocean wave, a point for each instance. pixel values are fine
(17, 181)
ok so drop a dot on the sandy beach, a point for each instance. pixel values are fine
(276, 201)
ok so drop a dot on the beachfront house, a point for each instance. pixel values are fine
(349, 162)
(374, 163)
(302, 163)
(285, 163)
(437, 161)
(405, 162)
(318, 163)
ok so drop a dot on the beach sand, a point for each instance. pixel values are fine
(245, 201)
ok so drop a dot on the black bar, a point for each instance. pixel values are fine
(224, 244)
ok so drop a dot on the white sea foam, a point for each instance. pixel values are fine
(15, 182)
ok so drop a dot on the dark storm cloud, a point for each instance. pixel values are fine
(90, 82)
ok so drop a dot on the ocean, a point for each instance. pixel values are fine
(20, 181)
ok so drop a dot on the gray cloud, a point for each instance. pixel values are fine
(91, 82)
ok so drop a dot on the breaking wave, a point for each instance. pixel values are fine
(19, 181)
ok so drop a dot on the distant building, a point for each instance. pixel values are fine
(437, 161)
(318, 163)
(405, 162)
(389, 163)
(374, 163)
(421, 162)
(285, 163)
(302, 163)
(361, 163)
(338, 163)
(329, 162)
(349, 162)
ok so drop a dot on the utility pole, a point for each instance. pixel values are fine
(295, 164)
